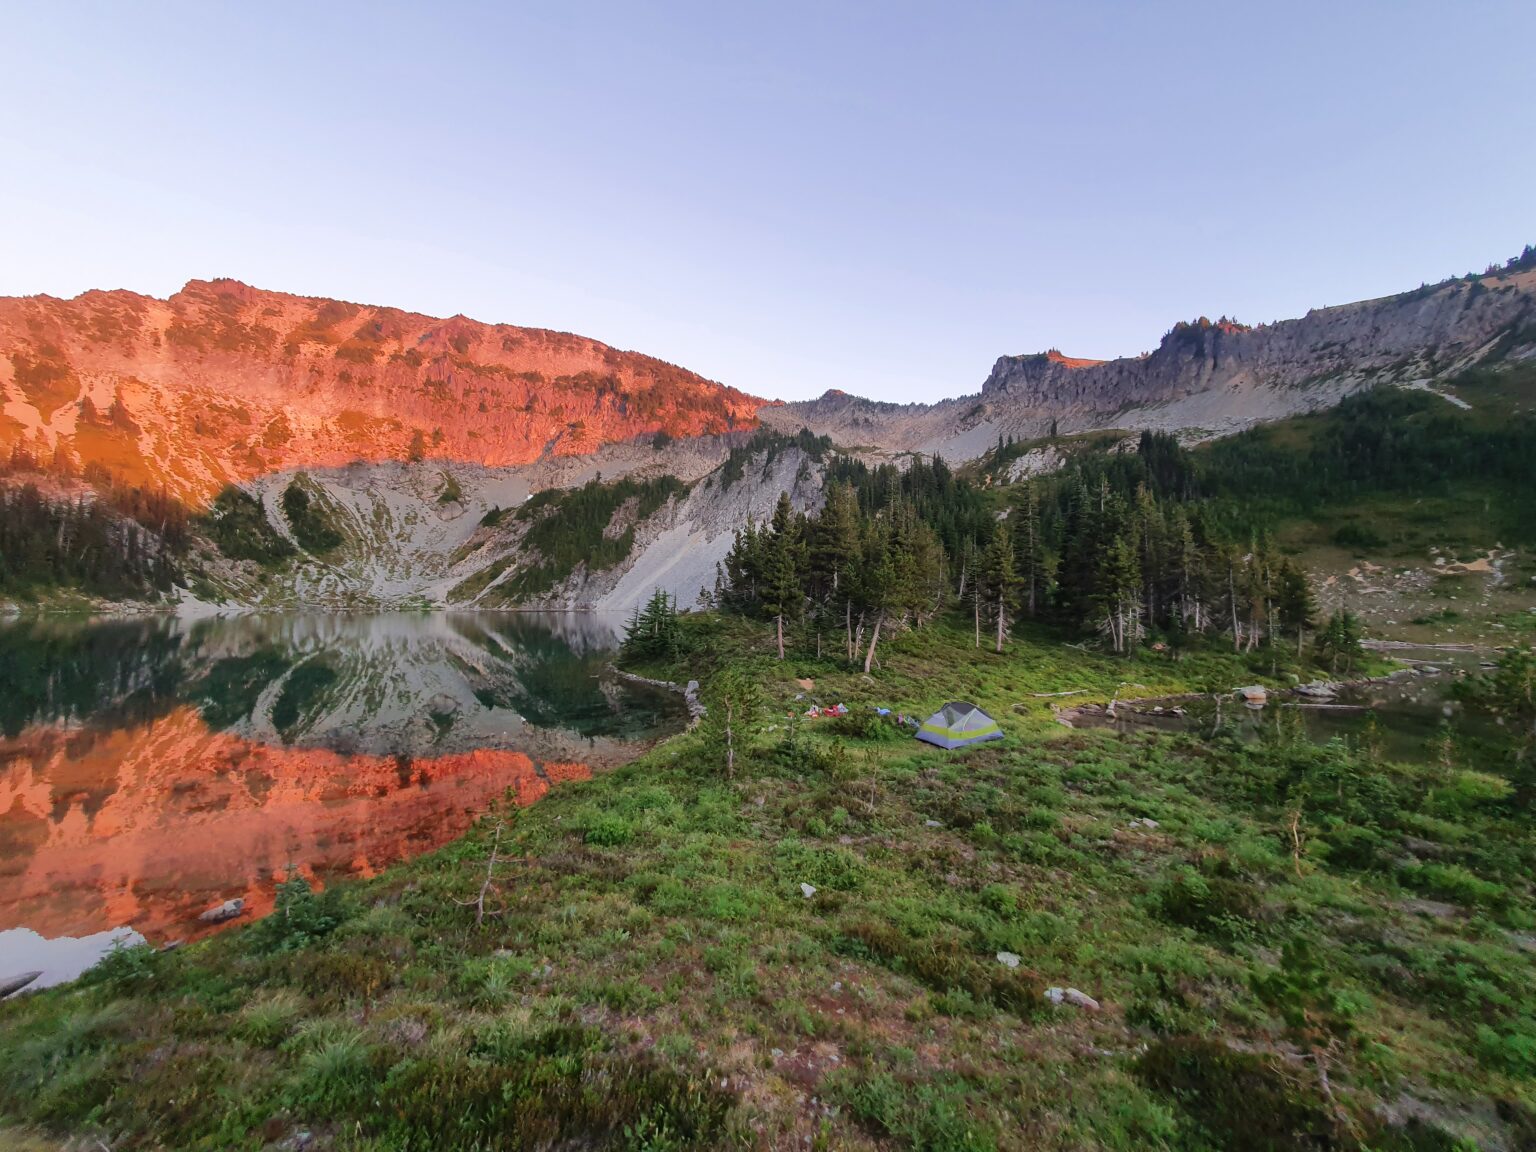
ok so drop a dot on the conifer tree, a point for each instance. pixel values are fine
(783, 569)
(1294, 602)
(653, 632)
(1339, 642)
(1029, 547)
(1118, 589)
(878, 587)
(1001, 581)
(834, 554)
(732, 701)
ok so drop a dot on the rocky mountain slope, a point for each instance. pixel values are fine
(1208, 378)
(402, 546)
(415, 440)
(223, 382)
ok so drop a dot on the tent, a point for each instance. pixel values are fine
(958, 724)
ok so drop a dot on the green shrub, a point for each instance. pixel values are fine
(1510, 1048)
(935, 1115)
(835, 869)
(125, 967)
(866, 724)
(1455, 883)
(267, 1021)
(945, 965)
(609, 832)
(1215, 904)
(299, 918)
(334, 1077)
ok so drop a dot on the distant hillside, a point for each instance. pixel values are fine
(1210, 377)
(226, 382)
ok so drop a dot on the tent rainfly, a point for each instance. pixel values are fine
(958, 724)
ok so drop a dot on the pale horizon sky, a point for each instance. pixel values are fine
(881, 198)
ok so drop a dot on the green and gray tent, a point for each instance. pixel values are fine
(957, 724)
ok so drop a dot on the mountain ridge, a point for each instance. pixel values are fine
(222, 382)
(1208, 377)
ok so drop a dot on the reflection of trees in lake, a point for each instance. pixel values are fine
(59, 670)
(227, 693)
(387, 684)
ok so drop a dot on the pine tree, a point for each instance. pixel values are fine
(1119, 595)
(784, 569)
(744, 570)
(1029, 548)
(1001, 581)
(1186, 572)
(878, 587)
(1340, 641)
(653, 632)
(833, 557)
(732, 701)
(1081, 546)
(1294, 601)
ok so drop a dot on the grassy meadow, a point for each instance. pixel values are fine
(1291, 946)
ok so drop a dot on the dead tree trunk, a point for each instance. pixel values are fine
(490, 876)
(874, 638)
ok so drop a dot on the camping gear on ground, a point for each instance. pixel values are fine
(816, 711)
(957, 725)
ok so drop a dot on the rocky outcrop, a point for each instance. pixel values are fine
(1207, 377)
(1424, 333)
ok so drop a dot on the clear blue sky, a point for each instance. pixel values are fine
(789, 197)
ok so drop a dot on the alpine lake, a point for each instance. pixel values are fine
(154, 771)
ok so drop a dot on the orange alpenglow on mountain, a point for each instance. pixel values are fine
(224, 382)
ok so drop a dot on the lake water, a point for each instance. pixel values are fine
(1404, 716)
(152, 769)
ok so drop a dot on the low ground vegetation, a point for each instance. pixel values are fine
(1294, 946)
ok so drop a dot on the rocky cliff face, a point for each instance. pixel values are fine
(1429, 332)
(224, 382)
(1206, 377)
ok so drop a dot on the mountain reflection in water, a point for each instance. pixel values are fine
(151, 769)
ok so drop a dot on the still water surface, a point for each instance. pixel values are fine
(1405, 716)
(151, 769)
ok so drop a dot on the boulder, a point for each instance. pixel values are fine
(1318, 690)
(222, 912)
(16, 983)
(1072, 996)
